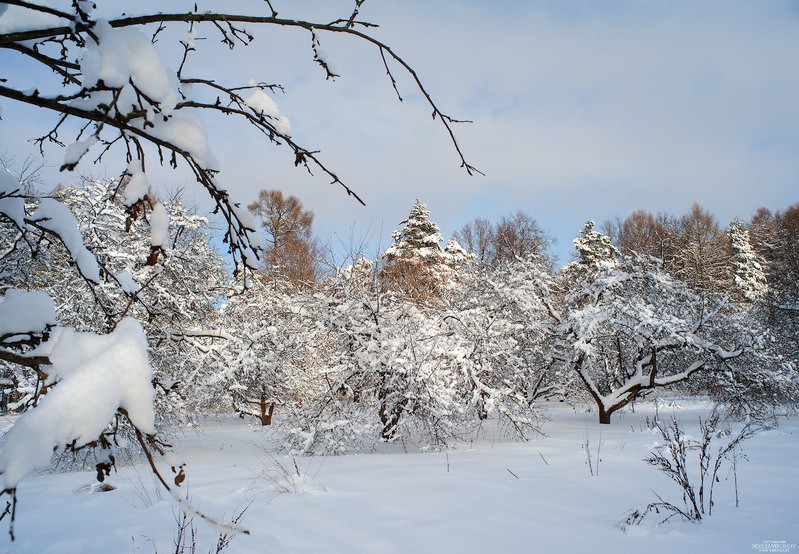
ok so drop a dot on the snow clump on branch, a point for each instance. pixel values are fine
(125, 56)
(56, 217)
(96, 375)
(23, 312)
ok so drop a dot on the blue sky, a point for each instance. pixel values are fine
(581, 109)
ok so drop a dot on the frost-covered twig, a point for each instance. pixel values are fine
(671, 459)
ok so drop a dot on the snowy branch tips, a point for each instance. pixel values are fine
(110, 76)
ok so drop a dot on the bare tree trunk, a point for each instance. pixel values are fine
(266, 410)
(390, 420)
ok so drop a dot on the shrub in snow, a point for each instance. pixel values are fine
(695, 476)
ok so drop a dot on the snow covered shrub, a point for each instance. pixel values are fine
(350, 429)
(397, 369)
(498, 315)
(390, 365)
(695, 477)
(273, 347)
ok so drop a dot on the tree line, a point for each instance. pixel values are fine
(432, 338)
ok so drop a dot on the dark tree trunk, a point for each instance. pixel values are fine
(390, 419)
(482, 411)
(389, 414)
(266, 409)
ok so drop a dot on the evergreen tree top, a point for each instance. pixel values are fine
(593, 247)
(418, 237)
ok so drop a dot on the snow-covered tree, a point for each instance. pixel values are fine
(391, 370)
(501, 315)
(593, 250)
(273, 348)
(749, 279)
(775, 238)
(415, 264)
(628, 328)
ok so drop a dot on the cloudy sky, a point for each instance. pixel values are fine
(581, 110)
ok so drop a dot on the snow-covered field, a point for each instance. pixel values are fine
(488, 496)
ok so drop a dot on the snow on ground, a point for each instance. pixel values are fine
(490, 496)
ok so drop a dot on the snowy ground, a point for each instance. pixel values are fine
(491, 496)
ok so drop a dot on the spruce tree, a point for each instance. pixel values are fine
(415, 264)
(749, 279)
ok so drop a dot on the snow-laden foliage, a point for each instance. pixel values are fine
(749, 279)
(174, 296)
(419, 237)
(415, 265)
(628, 328)
(24, 313)
(393, 369)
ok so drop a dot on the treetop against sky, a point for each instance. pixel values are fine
(581, 111)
